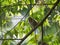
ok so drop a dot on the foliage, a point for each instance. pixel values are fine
(14, 8)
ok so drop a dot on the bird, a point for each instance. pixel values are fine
(32, 22)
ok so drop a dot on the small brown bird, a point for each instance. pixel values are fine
(32, 22)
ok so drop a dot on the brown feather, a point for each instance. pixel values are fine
(32, 22)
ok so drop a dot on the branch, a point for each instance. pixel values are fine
(23, 4)
(40, 22)
(10, 39)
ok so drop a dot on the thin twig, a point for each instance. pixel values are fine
(24, 4)
(42, 33)
(10, 39)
